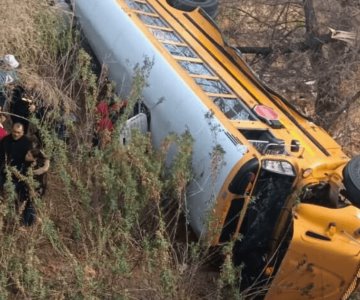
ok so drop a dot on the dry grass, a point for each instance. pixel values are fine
(30, 31)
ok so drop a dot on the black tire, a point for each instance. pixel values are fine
(352, 180)
(209, 6)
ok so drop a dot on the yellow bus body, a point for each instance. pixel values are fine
(322, 259)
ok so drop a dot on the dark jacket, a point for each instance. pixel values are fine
(19, 107)
(13, 151)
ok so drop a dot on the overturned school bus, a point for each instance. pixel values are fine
(263, 173)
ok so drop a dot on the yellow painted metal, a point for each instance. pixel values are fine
(320, 262)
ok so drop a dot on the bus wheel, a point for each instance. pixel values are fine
(210, 6)
(352, 180)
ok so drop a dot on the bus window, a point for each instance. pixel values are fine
(163, 35)
(212, 86)
(140, 6)
(233, 109)
(264, 141)
(196, 68)
(152, 21)
(179, 50)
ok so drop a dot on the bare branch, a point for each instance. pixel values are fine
(345, 36)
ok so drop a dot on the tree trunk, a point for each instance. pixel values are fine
(327, 61)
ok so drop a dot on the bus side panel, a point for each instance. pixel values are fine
(174, 106)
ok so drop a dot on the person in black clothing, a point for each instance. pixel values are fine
(14, 147)
(21, 107)
(36, 160)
